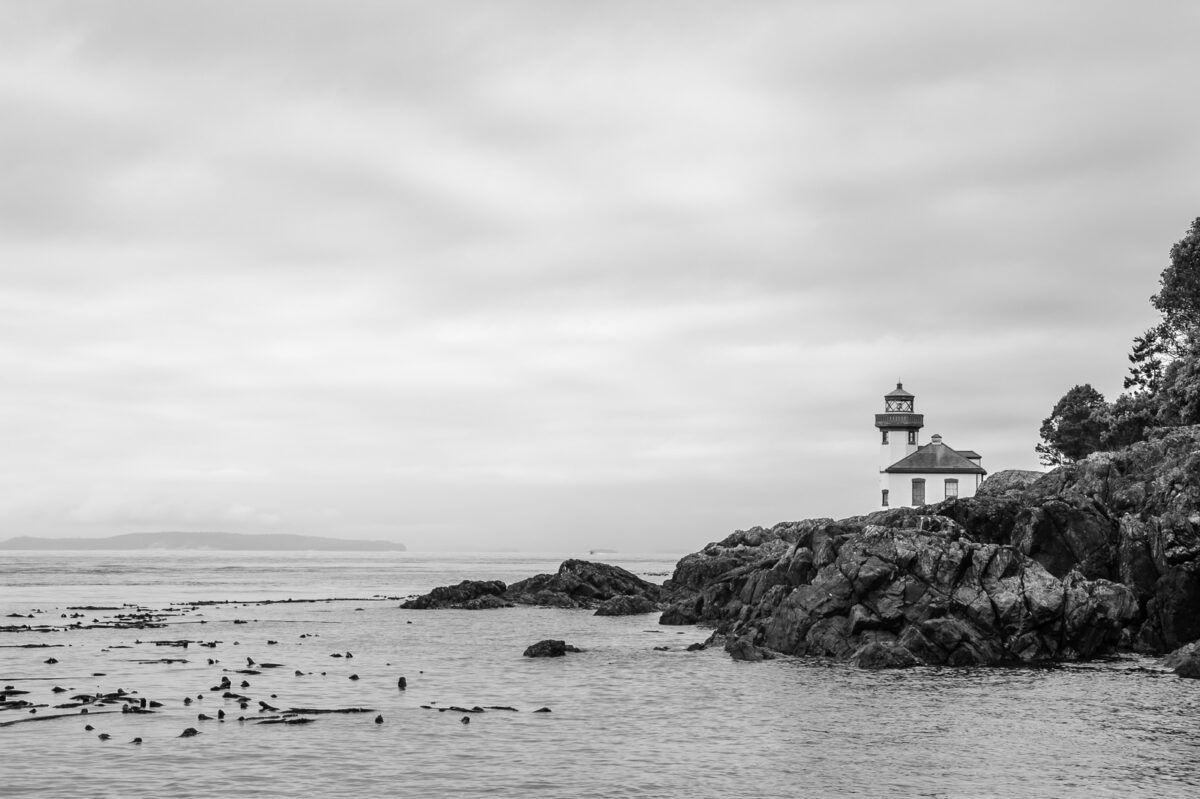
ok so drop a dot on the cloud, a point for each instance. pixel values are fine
(535, 274)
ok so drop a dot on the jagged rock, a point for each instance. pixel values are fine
(743, 648)
(1008, 481)
(883, 655)
(467, 595)
(1173, 613)
(626, 605)
(576, 584)
(1068, 564)
(1185, 661)
(920, 593)
(549, 648)
(582, 584)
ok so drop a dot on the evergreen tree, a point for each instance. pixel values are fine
(1178, 299)
(1075, 427)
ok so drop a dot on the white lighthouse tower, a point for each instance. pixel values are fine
(915, 475)
(898, 427)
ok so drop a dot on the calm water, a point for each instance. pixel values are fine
(627, 719)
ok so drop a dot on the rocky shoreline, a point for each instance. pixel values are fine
(1088, 560)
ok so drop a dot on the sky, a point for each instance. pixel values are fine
(559, 275)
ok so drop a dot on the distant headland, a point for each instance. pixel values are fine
(269, 542)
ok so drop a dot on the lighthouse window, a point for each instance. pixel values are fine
(884, 436)
(912, 436)
(885, 497)
(951, 488)
(918, 486)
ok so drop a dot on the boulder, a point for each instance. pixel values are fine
(549, 648)
(744, 648)
(883, 655)
(626, 605)
(1185, 661)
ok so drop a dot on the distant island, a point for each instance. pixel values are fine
(269, 542)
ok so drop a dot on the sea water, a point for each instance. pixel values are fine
(633, 715)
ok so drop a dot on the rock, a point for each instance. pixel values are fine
(189, 732)
(743, 648)
(467, 595)
(626, 605)
(549, 648)
(1008, 481)
(576, 584)
(1074, 563)
(883, 655)
(1190, 668)
(582, 584)
(888, 596)
(1173, 612)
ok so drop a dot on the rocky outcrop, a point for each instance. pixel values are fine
(549, 648)
(1071, 564)
(582, 584)
(577, 584)
(626, 605)
(467, 595)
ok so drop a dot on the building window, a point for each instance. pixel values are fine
(885, 497)
(912, 436)
(884, 436)
(918, 491)
(951, 488)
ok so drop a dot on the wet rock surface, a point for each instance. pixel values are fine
(549, 648)
(576, 584)
(467, 595)
(1093, 557)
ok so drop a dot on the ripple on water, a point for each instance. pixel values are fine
(627, 720)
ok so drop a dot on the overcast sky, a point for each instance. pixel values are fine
(561, 275)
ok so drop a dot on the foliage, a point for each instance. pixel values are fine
(1178, 300)
(1127, 420)
(1178, 398)
(1075, 426)
(1163, 379)
(1179, 297)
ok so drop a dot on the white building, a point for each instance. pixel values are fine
(911, 474)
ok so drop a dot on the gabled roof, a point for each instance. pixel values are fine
(936, 458)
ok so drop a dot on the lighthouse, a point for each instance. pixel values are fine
(914, 475)
(898, 426)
